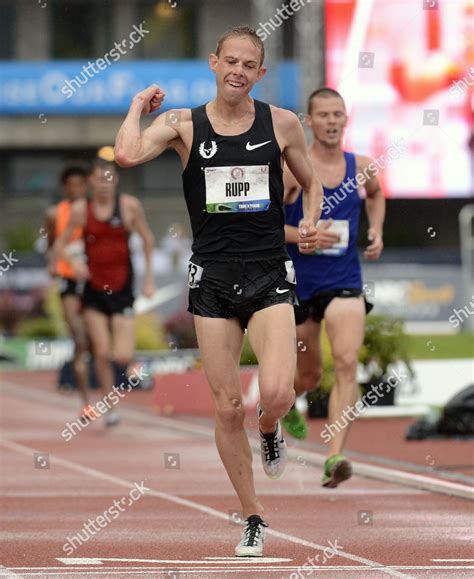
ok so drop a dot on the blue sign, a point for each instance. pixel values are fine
(99, 87)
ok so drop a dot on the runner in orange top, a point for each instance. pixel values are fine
(74, 183)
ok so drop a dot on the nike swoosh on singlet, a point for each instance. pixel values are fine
(250, 147)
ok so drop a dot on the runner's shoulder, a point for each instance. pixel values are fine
(283, 118)
(363, 163)
(130, 202)
(79, 208)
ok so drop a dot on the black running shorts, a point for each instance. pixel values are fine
(315, 307)
(69, 287)
(109, 302)
(239, 288)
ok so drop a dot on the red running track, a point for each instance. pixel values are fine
(184, 521)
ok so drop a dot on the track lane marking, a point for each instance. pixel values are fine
(22, 449)
(233, 560)
(183, 567)
(453, 560)
(7, 572)
(365, 470)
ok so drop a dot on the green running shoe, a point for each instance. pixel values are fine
(336, 470)
(295, 424)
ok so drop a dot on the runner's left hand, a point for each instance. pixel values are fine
(306, 235)
(374, 249)
(319, 237)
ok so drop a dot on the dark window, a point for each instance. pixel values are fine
(32, 174)
(7, 30)
(81, 28)
(288, 38)
(172, 29)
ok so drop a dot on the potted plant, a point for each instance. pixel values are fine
(385, 344)
(318, 399)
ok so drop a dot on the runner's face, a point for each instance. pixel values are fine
(104, 181)
(237, 68)
(327, 120)
(75, 187)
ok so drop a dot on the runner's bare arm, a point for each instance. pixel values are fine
(77, 219)
(299, 163)
(290, 192)
(132, 146)
(50, 223)
(291, 187)
(140, 226)
(319, 238)
(374, 207)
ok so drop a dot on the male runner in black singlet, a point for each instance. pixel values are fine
(240, 276)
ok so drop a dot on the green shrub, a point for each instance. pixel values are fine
(149, 333)
(20, 238)
(37, 328)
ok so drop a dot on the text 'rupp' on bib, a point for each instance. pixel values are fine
(237, 189)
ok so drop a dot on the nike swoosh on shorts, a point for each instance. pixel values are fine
(281, 291)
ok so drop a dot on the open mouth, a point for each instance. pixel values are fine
(235, 84)
(332, 132)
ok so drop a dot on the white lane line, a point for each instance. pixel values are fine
(6, 572)
(453, 560)
(20, 448)
(274, 567)
(126, 571)
(228, 493)
(222, 560)
(365, 470)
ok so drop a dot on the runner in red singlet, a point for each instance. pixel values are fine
(107, 221)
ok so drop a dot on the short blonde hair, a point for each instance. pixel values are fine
(242, 31)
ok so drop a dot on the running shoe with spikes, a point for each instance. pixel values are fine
(253, 537)
(112, 419)
(337, 469)
(273, 450)
(295, 424)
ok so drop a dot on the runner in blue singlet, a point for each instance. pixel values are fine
(329, 283)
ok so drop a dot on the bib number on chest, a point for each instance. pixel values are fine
(341, 227)
(237, 189)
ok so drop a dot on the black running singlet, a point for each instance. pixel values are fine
(233, 188)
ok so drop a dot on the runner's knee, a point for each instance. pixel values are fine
(102, 356)
(230, 413)
(309, 379)
(345, 364)
(277, 402)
